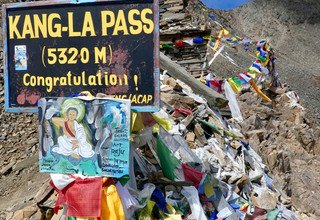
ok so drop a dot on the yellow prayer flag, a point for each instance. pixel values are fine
(234, 86)
(136, 122)
(111, 206)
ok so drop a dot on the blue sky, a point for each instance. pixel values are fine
(224, 4)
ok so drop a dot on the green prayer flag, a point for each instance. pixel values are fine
(168, 161)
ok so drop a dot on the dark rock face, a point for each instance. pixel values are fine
(291, 11)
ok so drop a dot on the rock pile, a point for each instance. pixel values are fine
(195, 152)
(178, 29)
(223, 149)
(289, 144)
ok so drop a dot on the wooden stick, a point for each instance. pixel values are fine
(178, 72)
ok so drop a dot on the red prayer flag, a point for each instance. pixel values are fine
(83, 197)
(191, 174)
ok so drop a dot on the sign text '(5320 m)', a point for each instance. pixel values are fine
(73, 55)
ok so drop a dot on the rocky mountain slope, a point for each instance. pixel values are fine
(293, 28)
(286, 136)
